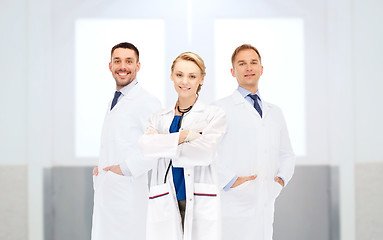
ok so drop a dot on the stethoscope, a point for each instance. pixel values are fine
(182, 111)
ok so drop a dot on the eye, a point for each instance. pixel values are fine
(116, 61)
(179, 75)
(192, 76)
(241, 64)
(255, 62)
(129, 61)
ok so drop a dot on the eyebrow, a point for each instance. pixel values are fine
(192, 73)
(240, 61)
(129, 58)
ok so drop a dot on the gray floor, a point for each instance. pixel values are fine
(304, 209)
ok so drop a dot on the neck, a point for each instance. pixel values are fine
(186, 102)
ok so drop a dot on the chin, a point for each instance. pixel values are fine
(185, 95)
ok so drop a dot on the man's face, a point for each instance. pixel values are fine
(247, 69)
(124, 66)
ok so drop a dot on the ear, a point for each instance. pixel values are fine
(110, 66)
(202, 79)
(171, 77)
(138, 66)
(261, 70)
(232, 70)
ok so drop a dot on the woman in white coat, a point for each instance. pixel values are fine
(184, 196)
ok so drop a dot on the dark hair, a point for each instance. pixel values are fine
(244, 47)
(126, 45)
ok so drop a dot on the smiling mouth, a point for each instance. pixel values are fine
(122, 74)
(184, 88)
(250, 75)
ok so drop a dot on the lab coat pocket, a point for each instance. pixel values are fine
(206, 201)
(275, 190)
(160, 206)
(94, 182)
(240, 201)
(240, 187)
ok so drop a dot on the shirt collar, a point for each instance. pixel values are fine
(244, 92)
(125, 90)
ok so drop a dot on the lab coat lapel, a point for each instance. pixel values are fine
(167, 116)
(193, 116)
(265, 109)
(131, 95)
(238, 99)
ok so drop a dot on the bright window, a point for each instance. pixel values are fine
(95, 85)
(280, 43)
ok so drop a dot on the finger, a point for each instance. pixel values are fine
(253, 176)
(249, 178)
(106, 169)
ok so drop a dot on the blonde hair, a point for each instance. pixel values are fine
(193, 57)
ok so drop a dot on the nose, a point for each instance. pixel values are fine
(123, 65)
(184, 80)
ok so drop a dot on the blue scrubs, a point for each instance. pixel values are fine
(178, 172)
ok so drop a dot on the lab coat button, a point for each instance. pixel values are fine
(188, 174)
(190, 199)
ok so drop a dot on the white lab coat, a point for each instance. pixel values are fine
(120, 202)
(202, 215)
(252, 145)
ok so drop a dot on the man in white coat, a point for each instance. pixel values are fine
(255, 159)
(120, 179)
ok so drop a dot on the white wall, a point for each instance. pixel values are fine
(367, 71)
(13, 79)
(343, 78)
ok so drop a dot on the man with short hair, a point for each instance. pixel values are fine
(120, 179)
(253, 172)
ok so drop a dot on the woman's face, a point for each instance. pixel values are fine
(186, 77)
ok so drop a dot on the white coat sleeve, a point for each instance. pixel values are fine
(156, 145)
(134, 158)
(201, 152)
(286, 155)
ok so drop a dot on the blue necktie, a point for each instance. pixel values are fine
(256, 104)
(116, 96)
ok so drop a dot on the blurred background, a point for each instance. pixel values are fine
(322, 65)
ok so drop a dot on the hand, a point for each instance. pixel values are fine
(151, 131)
(192, 135)
(241, 180)
(183, 136)
(115, 169)
(95, 171)
(280, 181)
